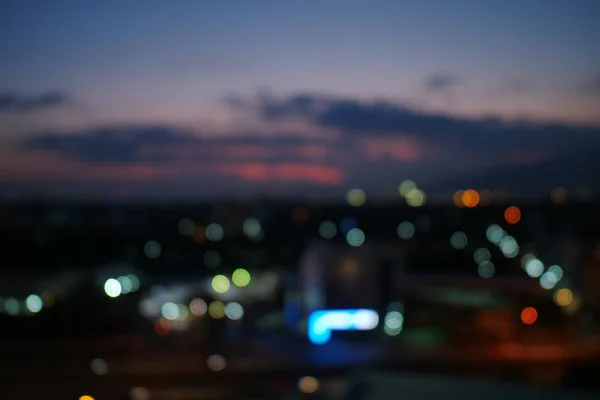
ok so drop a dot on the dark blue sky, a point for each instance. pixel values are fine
(81, 81)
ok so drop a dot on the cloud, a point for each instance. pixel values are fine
(119, 144)
(440, 82)
(371, 118)
(12, 102)
(155, 152)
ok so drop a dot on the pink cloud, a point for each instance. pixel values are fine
(284, 172)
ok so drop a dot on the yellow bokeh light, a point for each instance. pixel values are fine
(216, 309)
(415, 198)
(563, 297)
(405, 187)
(220, 284)
(241, 277)
(308, 384)
(470, 198)
(86, 397)
(356, 197)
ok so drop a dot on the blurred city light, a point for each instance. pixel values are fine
(241, 277)
(322, 323)
(563, 297)
(186, 227)
(216, 309)
(198, 307)
(152, 249)
(405, 230)
(214, 232)
(356, 197)
(458, 240)
(486, 269)
(112, 288)
(534, 267)
(34, 303)
(470, 198)
(327, 230)
(405, 187)
(529, 315)
(415, 198)
(99, 366)
(512, 215)
(308, 384)
(216, 362)
(495, 234)
(220, 284)
(355, 237)
(234, 311)
(170, 311)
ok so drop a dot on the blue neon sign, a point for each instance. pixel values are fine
(322, 322)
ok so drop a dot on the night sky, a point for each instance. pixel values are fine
(207, 98)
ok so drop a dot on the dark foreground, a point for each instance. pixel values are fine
(271, 370)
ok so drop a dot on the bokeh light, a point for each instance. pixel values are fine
(486, 269)
(234, 311)
(216, 309)
(186, 227)
(470, 198)
(512, 215)
(308, 384)
(529, 315)
(355, 237)
(458, 198)
(152, 249)
(112, 288)
(415, 198)
(241, 277)
(405, 230)
(170, 311)
(216, 362)
(99, 366)
(405, 187)
(214, 232)
(198, 307)
(327, 230)
(563, 297)
(494, 234)
(509, 247)
(458, 240)
(34, 303)
(220, 284)
(534, 267)
(356, 197)
(481, 255)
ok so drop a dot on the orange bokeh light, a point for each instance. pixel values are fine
(470, 198)
(512, 215)
(162, 327)
(458, 198)
(529, 315)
